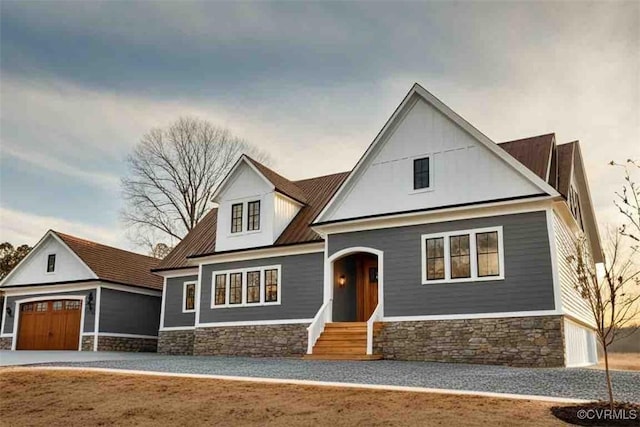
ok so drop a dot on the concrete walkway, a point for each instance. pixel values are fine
(24, 357)
(554, 382)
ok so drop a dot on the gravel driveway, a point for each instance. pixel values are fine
(557, 382)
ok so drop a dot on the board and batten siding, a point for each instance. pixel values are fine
(527, 284)
(129, 313)
(572, 303)
(285, 210)
(89, 316)
(173, 315)
(301, 290)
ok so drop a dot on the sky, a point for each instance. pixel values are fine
(310, 83)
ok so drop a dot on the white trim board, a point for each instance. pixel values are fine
(253, 323)
(495, 315)
(317, 383)
(118, 335)
(171, 274)
(259, 253)
(176, 328)
(90, 284)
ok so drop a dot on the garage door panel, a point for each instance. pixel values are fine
(49, 325)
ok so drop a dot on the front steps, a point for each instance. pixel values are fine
(344, 341)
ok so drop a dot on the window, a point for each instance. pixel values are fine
(246, 287)
(463, 256)
(220, 291)
(51, 263)
(236, 218)
(57, 305)
(42, 306)
(72, 305)
(26, 307)
(189, 297)
(235, 288)
(271, 285)
(253, 215)
(435, 258)
(488, 262)
(421, 173)
(574, 205)
(460, 259)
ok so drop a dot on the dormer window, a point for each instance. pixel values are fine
(421, 173)
(253, 216)
(236, 218)
(51, 263)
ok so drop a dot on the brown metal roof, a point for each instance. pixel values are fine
(282, 184)
(532, 152)
(565, 165)
(118, 265)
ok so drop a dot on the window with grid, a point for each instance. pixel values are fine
(51, 263)
(190, 296)
(421, 173)
(270, 285)
(253, 287)
(220, 289)
(460, 257)
(487, 249)
(435, 258)
(235, 288)
(72, 305)
(236, 218)
(253, 215)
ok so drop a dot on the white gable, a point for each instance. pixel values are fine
(33, 269)
(463, 168)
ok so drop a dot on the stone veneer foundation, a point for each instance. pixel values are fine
(5, 343)
(515, 341)
(254, 341)
(87, 343)
(107, 343)
(176, 342)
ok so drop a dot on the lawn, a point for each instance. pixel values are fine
(65, 398)
(622, 361)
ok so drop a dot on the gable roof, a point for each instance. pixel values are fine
(202, 239)
(113, 264)
(418, 92)
(281, 184)
(566, 156)
(534, 152)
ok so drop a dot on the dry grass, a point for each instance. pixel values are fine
(63, 398)
(622, 361)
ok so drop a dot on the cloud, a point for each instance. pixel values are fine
(24, 227)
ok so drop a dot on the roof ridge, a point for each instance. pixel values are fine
(321, 176)
(528, 137)
(279, 181)
(59, 234)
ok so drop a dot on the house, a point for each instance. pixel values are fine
(72, 294)
(439, 245)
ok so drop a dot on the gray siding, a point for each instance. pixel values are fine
(301, 287)
(344, 299)
(89, 316)
(173, 315)
(129, 313)
(528, 283)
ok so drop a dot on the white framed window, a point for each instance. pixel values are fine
(421, 169)
(51, 263)
(247, 287)
(245, 216)
(189, 297)
(463, 256)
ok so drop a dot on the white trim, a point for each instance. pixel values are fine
(315, 383)
(227, 178)
(473, 256)
(184, 296)
(16, 316)
(511, 207)
(96, 321)
(163, 301)
(34, 250)
(271, 252)
(472, 316)
(411, 177)
(196, 318)
(4, 315)
(132, 290)
(329, 273)
(118, 335)
(243, 272)
(253, 323)
(404, 106)
(177, 328)
(244, 226)
(171, 274)
(91, 284)
(551, 232)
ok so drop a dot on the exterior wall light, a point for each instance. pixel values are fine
(342, 280)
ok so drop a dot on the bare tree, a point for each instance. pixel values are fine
(173, 172)
(628, 201)
(160, 250)
(611, 298)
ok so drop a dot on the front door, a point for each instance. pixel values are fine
(49, 325)
(367, 288)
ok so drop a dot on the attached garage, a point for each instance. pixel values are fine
(50, 325)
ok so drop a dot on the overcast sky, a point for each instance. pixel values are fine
(310, 83)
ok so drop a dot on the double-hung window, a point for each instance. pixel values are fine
(51, 263)
(463, 256)
(253, 215)
(189, 297)
(236, 218)
(421, 173)
(246, 287)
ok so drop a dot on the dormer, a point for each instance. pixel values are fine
(255, 205)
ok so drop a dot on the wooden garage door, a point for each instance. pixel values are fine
(49, 325)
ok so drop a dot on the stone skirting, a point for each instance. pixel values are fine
(514, 341)
(255, 341)
(5, 343)
(176, 342)
(107, 343)
(87, 343)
